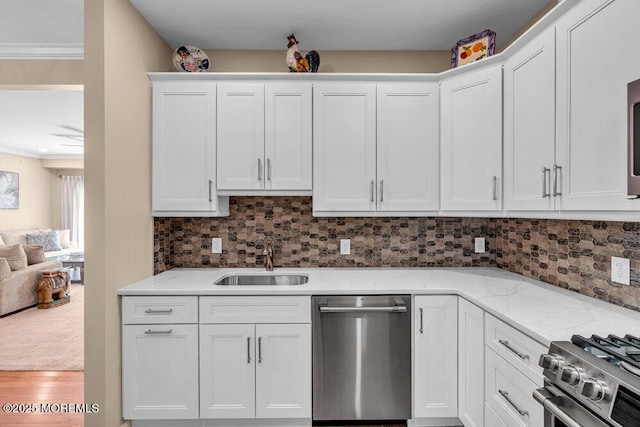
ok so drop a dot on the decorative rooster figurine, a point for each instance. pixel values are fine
(296, 62)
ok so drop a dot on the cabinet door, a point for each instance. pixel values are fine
(227, 371)
(184, 141)
(288, 156)
(471, 117)
(160, 372)
(436, 356)
(470, 364)
(529, 125)
(592, 106)
(283, 371)
(344, 147)
(408, 147)
(240, 136)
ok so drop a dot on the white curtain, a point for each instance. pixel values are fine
(73, 208)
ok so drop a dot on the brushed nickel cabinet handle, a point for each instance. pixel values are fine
(248, 350)
(372, 184)
(556, 168)
(153, 311)
(150, 332)
(259, 169)
(269, 170)
(421, 316)
(382, 190)
(513, 350)
(544, 183)
(505, 394)
(495, 187)
(259, 349)
(210, 184)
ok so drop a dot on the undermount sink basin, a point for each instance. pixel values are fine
(263, 280)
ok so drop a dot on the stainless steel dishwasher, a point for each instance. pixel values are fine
(361, 357)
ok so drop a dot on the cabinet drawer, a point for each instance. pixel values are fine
(515, 347)
(255, 309)
(153, 310)
(510, 393)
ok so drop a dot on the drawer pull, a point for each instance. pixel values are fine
(421, 319)
(513, 350)
(259, 350)
(512, 403)
(153, 311)
(150, 332)
(248, 350)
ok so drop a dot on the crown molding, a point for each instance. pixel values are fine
(41, 51)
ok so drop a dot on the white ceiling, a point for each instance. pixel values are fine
(333, 24)
(42, 119)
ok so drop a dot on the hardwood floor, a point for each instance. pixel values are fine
(40, 391)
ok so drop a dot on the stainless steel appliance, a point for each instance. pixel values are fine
(361, 358)
(633, 108)
(592, 382)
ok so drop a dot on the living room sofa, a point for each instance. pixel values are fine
(18, 289)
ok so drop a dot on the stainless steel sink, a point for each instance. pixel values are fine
(263, 280)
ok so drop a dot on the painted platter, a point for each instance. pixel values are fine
(190, 59)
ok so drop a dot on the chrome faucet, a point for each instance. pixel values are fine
(268, 259)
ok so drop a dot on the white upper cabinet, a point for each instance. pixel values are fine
(184, 150)
(529, 125)
(471, 140)
(240, 136)
(264, 134)
(408, 145)
(288, 132)
(344, 149)
(595, 63)
(376, 148)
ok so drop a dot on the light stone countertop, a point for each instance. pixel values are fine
(544, 312)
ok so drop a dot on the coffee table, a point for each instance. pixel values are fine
(75, 259)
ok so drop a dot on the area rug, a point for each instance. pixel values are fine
(46, 339)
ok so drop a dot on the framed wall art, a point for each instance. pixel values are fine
(9, 190)
(473, 48)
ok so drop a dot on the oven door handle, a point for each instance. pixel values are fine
(544, 397)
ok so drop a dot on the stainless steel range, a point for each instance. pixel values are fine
(592, 382)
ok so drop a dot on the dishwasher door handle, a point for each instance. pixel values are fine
(394, 309)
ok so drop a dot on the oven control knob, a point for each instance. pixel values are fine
(570, 375)
(594, 390)
(550, 362)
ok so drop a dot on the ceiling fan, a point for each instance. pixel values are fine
(77, 136)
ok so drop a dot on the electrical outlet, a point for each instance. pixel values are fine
(620, 270)
(479, 245)
(345, 246)
(216, 245)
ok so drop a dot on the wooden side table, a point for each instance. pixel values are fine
(53, 288)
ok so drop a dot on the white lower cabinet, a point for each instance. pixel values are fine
(160, 372)
(510, 393)
(435, 356)
(255, 371)
(470, 364)
(491, 419)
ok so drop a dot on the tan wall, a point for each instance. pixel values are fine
(41, 72)
(37, 194)
(529, 24)
(333, 61)
(119, 227)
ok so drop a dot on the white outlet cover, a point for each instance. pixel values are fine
(479, 245)
(345, 246)
(620, 270)
(216, 245)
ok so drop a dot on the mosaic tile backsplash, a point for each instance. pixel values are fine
(571, 254)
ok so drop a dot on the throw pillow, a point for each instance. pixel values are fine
(65, 238)
(35, 254)
(15, 256)
(5, 270)
(49, 240)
